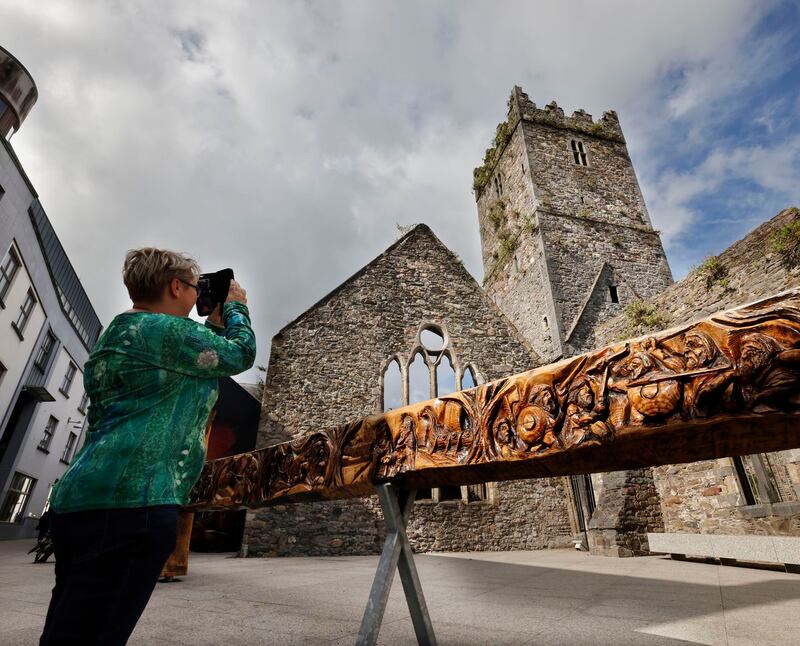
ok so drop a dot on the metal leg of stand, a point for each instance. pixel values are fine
(397, 555)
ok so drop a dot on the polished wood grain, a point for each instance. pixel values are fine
(726, 385)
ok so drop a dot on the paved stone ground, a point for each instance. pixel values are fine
(541, 597)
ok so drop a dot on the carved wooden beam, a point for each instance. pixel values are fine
(727, 385)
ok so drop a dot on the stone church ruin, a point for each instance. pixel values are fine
(571, 262)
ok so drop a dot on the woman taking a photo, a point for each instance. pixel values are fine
(152, 382)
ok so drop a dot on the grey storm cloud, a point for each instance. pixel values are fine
(287, 140)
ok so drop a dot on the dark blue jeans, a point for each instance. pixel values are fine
(107, 564)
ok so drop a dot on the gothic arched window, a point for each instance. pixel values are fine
(419, 379)
(432, 370)
(468, 379)
(445, 377)
(392, 386)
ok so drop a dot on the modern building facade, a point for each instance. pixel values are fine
(47, 329)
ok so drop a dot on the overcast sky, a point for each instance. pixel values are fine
(288, 139)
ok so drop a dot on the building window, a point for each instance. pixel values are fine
(45, 350)
(17, 498)
(449, 492)
(468, 379)
(579, 153)
(49, 431)
(432, 371)
(498, 185)
(72, 315)
(84, 403)
(49, 495)
(3, 372)
(477, 492)
(25, 312)
(612, 290)
(8, 270)
(757, 481)
(68, 378)
(69, 447)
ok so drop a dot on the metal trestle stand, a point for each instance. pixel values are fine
(397, 554)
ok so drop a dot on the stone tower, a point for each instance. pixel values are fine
(567, 241)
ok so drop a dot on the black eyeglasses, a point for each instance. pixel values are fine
(188, 284)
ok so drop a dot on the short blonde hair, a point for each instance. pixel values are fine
(147, 271)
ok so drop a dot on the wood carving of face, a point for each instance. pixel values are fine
(700, 350)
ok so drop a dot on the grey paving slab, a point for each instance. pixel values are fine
(492, 598)
(11, 636)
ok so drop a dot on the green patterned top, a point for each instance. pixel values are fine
(152, 382)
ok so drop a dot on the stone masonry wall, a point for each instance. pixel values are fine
(515, 265)
(325, 366)
(519, 515)
(521, 288)
(325, 370)
(705, 497)
(628, 508)
(556, 237)
(578, 248)
(550, 226)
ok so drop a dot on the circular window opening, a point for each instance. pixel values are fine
(432, 340)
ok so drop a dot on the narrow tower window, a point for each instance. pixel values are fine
(579, 152)
(498, 185)
(612, 289)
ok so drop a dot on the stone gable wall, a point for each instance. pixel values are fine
(524, 515)
(325, 370)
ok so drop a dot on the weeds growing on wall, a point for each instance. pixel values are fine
(643, 318)
(786, 243)
(715, 272)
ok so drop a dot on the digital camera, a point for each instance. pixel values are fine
(212, 289)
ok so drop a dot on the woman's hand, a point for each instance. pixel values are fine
(215, 318)
(236, 293)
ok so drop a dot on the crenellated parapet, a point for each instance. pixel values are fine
(521, 108)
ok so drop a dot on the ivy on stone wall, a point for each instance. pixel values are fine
(481, 175)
